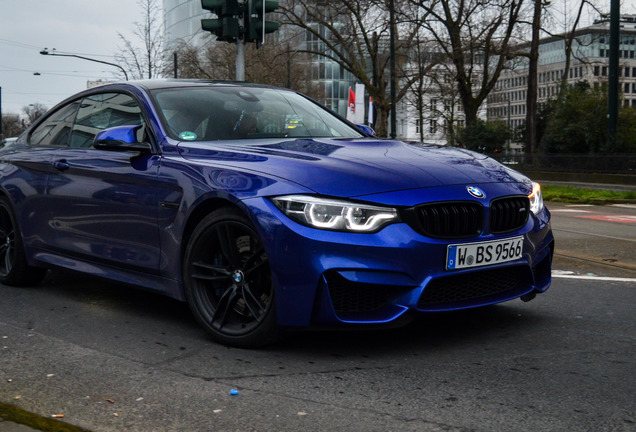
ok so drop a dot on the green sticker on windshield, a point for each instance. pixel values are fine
(188, 136)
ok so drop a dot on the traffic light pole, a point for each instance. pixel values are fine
(239, 21)
(240, 60)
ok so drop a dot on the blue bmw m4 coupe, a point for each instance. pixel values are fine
(264, 211)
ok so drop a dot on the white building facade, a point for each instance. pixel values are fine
(589, 62)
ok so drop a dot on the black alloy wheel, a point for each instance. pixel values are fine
(13, 264)
(7, 242)
(228, 280)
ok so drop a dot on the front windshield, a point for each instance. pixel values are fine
(231, 113)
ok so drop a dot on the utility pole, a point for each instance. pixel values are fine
(612, 88)
(392, 55)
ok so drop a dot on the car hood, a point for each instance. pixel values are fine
(354, 167)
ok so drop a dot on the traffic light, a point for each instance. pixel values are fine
(256, 25)
(226, 26)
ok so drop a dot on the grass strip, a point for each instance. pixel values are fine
(35, 421)
(568, 194)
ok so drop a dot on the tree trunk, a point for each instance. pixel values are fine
(531, 100)
(383, 111)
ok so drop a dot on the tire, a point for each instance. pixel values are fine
(13, 264)
(228, 281)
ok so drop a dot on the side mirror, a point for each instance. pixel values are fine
(366, 129)
(121, 138)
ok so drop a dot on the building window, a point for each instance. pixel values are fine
(626, 71)
(604, 71)
(433, 126)
(626, 87)
(597, 70)
(417, 126)
(433, 105)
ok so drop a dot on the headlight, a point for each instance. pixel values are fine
(536, 199)
(335, 215)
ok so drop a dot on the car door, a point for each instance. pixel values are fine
(104, 203)
(26, 167)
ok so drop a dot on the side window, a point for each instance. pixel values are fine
(103, 111)
(56, 129)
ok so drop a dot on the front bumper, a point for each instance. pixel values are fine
(335, 278)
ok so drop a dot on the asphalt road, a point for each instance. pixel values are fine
(603, 234)
(110, 358)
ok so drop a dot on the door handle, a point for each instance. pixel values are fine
(61, 165)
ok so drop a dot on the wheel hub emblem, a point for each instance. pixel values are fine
(238, 276)
(476, 192)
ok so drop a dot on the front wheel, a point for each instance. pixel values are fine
(228, 282)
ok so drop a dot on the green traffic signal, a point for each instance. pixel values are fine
(225, 29)
(270, 6)
(212, 5)
(270, 26)
(226, 25)
(257, 21)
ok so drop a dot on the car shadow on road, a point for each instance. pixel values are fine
(434, 330)
(135, 307)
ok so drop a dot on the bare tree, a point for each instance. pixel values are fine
(144, 56)
(33, 112)
(355, 35)
(478, 37)
(533, 64)
(569, 35)
(274, 63)
(11, 125)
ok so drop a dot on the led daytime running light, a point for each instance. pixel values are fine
(337, 215)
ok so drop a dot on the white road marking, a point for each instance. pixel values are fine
(594, 235)
(568, 211)
(629, 206)
(561, 274)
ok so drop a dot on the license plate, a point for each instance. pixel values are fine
(468, 255)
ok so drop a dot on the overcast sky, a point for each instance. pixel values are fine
(85, 27)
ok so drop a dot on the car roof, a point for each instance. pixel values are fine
(161, 83)
(152, 84)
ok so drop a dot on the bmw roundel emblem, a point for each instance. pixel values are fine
(238, 276)
(476, 192)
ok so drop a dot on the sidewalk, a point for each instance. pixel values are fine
(9, 426)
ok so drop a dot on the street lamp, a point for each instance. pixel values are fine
(46, 51)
